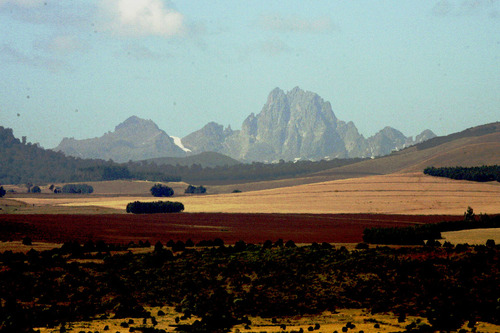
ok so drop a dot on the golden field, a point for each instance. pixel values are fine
(328, 322)
(405, 193)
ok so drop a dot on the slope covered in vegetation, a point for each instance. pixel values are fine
(223, 285)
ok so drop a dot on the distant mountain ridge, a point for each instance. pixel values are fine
(134, 139)
(291, 126)
(297, 125)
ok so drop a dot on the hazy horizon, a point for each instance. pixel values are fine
(78, 69)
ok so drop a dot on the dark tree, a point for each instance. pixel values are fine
(138, 207)
(159, 190)
(77, 188)
(195, 190)
(36, 189)
(2, 191)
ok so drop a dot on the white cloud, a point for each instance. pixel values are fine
(296, 24)
(143, 17)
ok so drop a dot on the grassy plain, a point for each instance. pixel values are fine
(328, 321)
(475, 236)
(407, 193)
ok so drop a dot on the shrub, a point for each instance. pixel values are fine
(159, 190)
(138, 207)
(2, 191)
(490, 243)
(77, 188)
(36, 189)
(362, 246)
(27, 241)
(195, 190)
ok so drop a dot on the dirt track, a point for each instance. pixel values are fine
(254, 228)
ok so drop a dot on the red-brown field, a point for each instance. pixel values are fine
(254, 228)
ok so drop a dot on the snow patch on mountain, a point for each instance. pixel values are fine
(178, 143)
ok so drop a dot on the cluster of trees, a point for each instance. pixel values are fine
(485, 173)
(195, 189)
(224, 285)
(77, 188)
(416, 235)
(159, 190)
(138, 207)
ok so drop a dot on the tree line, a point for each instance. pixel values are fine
(485, 173)
(416, 235)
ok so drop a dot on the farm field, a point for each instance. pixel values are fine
(253, 228)
(475, 236)
(411, 193)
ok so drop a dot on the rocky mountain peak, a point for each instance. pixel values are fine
(134, 123)
(133, 139)
(424, 136)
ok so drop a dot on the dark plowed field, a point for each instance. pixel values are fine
(254, 228)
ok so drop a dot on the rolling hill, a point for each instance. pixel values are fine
(474, 146)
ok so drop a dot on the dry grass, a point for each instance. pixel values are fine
(475, 236)
(412, 193)
(18, 246)
(328, 322)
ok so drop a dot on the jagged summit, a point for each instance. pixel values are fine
(297, 124)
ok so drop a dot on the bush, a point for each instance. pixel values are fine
(195, 190)
(27, 241)
(36, 189)
(362, 246)
(138, 207)
(2, 191)
(77, 188)
(159, 190)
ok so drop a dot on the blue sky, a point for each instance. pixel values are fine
(78, 68)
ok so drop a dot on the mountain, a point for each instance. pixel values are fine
(475, 146)
(210, 138)
(291, 126)
(134, 139)
(296, 125)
